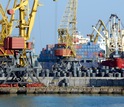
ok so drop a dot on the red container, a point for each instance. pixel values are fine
(16, 43)
(63, 52)
(29, 45)
(77, 46)
(6, 43)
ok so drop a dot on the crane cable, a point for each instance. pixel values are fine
(7, 5)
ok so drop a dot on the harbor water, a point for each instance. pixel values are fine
(61, 100)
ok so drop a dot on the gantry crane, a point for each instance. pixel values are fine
(66, 31)
(20, 69)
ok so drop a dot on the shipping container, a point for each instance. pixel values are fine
(16, 43)
(63, 52)
(6, 43)
(29, 45)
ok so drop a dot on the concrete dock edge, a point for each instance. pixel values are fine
(62, 90)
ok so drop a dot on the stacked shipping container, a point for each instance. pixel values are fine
(47, 54)
(84, 52)
(87, 51)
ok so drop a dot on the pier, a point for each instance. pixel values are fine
(62, 90)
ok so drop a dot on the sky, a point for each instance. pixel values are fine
(49, 15)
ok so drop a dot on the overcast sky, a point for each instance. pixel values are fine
(89, 12)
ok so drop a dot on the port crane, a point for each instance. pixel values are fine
(25, 25)
(100, 26)
(20, 69)
(66, 30)
(116, 43)
(64, 49)
(100, 30)
(113, 35)
(114, 40)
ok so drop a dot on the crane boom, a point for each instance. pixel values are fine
(6, 24)
(27, 22)
(31, 19)
(99, 26)
(4, 17)
(22, 3)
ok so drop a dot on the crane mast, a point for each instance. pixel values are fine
(115, 36)
(69, 19)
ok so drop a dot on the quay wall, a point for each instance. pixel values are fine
(83, 81)
(62, 90)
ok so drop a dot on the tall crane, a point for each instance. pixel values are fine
(64, 50)
(25, 25)
(66, 30)
(21, 65)
(113, 36)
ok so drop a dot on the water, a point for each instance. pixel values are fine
(61, 101)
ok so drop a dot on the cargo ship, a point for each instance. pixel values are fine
(88, 53)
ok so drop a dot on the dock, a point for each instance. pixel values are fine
(62, 90)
